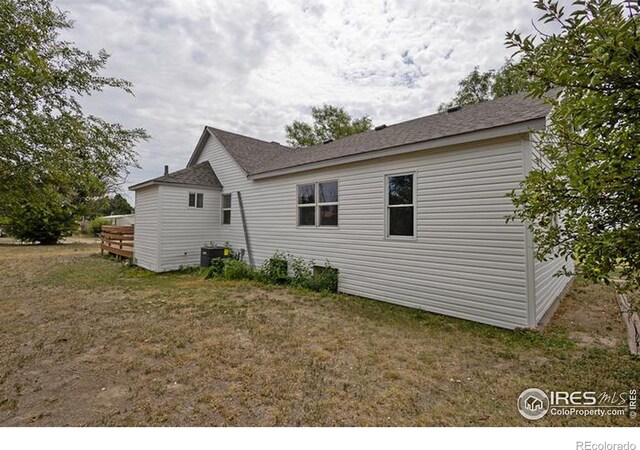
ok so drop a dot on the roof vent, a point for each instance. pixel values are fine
(328, 141)
(275, 142)
(453, 109)
(380, 127)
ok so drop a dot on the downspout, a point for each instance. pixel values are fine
(244, 228)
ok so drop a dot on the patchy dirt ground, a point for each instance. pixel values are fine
(87, 341)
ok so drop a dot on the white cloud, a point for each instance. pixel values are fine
(252, 67)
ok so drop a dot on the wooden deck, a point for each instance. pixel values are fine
(117, 241)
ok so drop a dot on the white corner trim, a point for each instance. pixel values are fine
(530, 269)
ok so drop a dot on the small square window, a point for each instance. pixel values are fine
(199, 200)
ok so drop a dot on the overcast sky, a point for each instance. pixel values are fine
(252, 67)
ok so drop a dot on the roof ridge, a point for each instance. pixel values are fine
(442, 113)
(272, 143)
(403, 122)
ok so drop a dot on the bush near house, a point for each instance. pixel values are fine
(235, 269)
(95, 226)
(275, 270)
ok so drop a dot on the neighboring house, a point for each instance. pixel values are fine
(412, 213)
(121, 220)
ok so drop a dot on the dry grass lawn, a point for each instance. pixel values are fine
(87, 341)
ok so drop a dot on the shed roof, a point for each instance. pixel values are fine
(198, 175)
(255, 156)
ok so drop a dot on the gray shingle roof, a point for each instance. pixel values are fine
(199, 175)
(253, 155)
(256, 156)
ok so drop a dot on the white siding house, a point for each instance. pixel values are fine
(175, 216)
(444, 246)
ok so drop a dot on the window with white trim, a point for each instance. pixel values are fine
(318, 204)
(400, 201)
(328, 204)
(226, 209)
(307, 205)
(196, 199)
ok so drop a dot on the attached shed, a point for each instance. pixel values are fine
(174, 217)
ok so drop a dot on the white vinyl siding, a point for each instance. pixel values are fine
(548, 286)
(184, 230)
(145, 238)
(464, 260)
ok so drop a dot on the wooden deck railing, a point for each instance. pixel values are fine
(117, 241)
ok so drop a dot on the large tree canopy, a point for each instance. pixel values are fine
(480, 86)
(329, 123)
(582, 199)
(53, 157)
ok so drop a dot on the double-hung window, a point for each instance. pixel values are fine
(196, 200)
(226, 209)
(307, 205)
(328, 204)
(318, 204)
(400, 205)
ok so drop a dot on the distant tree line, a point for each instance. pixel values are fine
(480, 86)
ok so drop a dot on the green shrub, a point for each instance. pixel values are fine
(324, 280)
(45, 223)
(274, 270)
(95, 226)
(301, 272)
(214, 270)
(235, 269)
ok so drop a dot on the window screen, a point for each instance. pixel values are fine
(400, 206)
